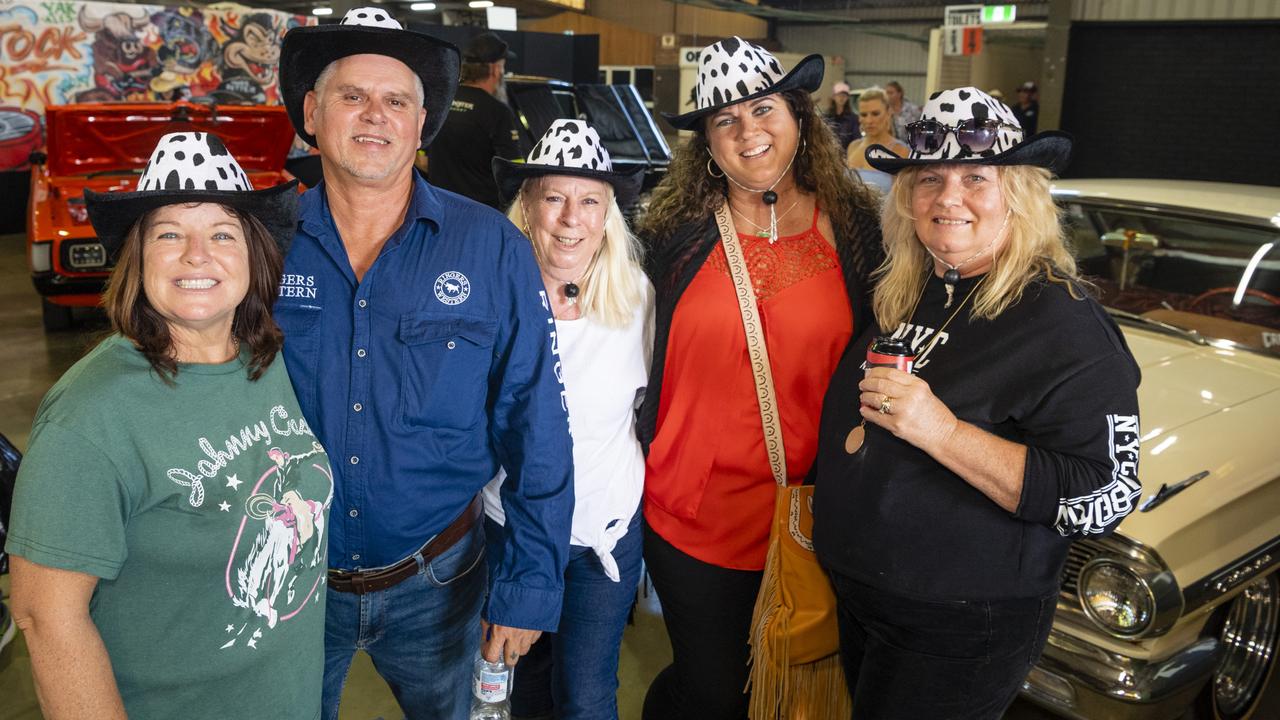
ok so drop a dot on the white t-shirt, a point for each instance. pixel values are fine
(605, 372)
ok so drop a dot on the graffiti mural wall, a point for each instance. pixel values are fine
(54, 52)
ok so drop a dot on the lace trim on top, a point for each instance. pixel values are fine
(774, 267)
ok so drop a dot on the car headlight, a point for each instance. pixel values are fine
(1116, 597)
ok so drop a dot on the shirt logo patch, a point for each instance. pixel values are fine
(452, 287)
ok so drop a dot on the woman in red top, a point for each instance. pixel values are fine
(810, 238)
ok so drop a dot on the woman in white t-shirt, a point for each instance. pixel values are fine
(566, 198)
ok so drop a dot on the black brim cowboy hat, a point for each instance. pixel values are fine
(949, 108)
(307, 51)
(734, 70)
(192, 167)
(569, 147)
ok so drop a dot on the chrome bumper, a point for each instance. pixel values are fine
(1079, 680)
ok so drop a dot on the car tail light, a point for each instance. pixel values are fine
(41, 257)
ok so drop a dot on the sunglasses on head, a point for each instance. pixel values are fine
(926, 136)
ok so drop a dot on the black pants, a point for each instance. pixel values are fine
(944, 660)
(707, 610)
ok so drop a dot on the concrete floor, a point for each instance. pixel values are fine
(33, 360)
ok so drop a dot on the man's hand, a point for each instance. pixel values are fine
(506, 643)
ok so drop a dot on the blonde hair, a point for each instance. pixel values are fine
(613, 285)
(874, 93)
(1034, 246)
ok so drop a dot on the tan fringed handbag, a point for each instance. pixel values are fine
(795, 667)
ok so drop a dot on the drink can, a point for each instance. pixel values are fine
(887, 351)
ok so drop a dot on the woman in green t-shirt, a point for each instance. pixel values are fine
(169, 522)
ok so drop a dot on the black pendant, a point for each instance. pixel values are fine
(570, 290)
(770, 197)
(951, 277)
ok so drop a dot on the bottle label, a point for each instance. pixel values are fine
(491, 686)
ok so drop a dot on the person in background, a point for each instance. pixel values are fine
(170, 520)
(841, 116)
(479, 126)
(419, 338)
(947, 495)
(1028, 108)
(904, 111)
(996, 94)
(709, 488)
(877, 129)
(568, 198)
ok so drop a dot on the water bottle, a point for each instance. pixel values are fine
(491, 690)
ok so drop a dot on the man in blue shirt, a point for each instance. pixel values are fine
(420, 344)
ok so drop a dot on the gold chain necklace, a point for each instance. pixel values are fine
(954, 313)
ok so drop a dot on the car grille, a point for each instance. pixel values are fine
(1079, 554)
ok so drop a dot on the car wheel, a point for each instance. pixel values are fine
(1246, 685)
(55, 317)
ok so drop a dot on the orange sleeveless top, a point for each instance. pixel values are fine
(708, 486)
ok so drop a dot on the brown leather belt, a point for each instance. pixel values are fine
(369, 581)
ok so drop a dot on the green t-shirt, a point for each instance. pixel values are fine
(203, 508)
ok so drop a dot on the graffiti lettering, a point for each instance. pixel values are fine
(59, 12)
(26, 92)
(18, 44)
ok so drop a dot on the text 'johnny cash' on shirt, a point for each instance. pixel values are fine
(1052, 373)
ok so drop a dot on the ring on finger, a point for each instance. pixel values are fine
(886, 405)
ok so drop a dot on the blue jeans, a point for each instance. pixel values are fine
(573, 672)
(422, 634)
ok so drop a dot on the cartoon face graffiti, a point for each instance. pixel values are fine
(122, 64)
(185, 42)
(256, 50)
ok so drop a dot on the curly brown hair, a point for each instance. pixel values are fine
(132, 315)
(688, 194)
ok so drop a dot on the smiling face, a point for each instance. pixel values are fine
(566, 217)
(195, 266)
(753, 141)
(958, 210)
(873, 116)
(367, 117)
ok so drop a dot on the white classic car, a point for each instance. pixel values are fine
(1178, 612)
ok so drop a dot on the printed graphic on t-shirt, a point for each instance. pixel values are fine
(919, 337)
(276, 552)
(1093, 513)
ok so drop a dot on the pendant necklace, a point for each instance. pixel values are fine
(571, 291)
(766, 232)
(952, 275)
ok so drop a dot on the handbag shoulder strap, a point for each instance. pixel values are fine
(761, 370)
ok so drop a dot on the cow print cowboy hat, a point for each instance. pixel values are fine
(569, 147)
(192, 167)
(735, 70)
(1050, 149)
(307, 51)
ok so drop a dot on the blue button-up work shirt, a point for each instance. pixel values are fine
(424, 376)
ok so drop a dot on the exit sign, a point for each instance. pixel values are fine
(995, 14)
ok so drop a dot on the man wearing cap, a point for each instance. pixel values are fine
(479, 126)
(1028, 108)
(418, 339)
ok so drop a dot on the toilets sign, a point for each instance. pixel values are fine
(962, 15)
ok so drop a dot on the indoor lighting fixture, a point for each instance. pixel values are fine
(422, 6)
(322, 11)
(478, 4)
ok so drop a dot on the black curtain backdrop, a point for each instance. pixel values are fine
(1185, 100)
